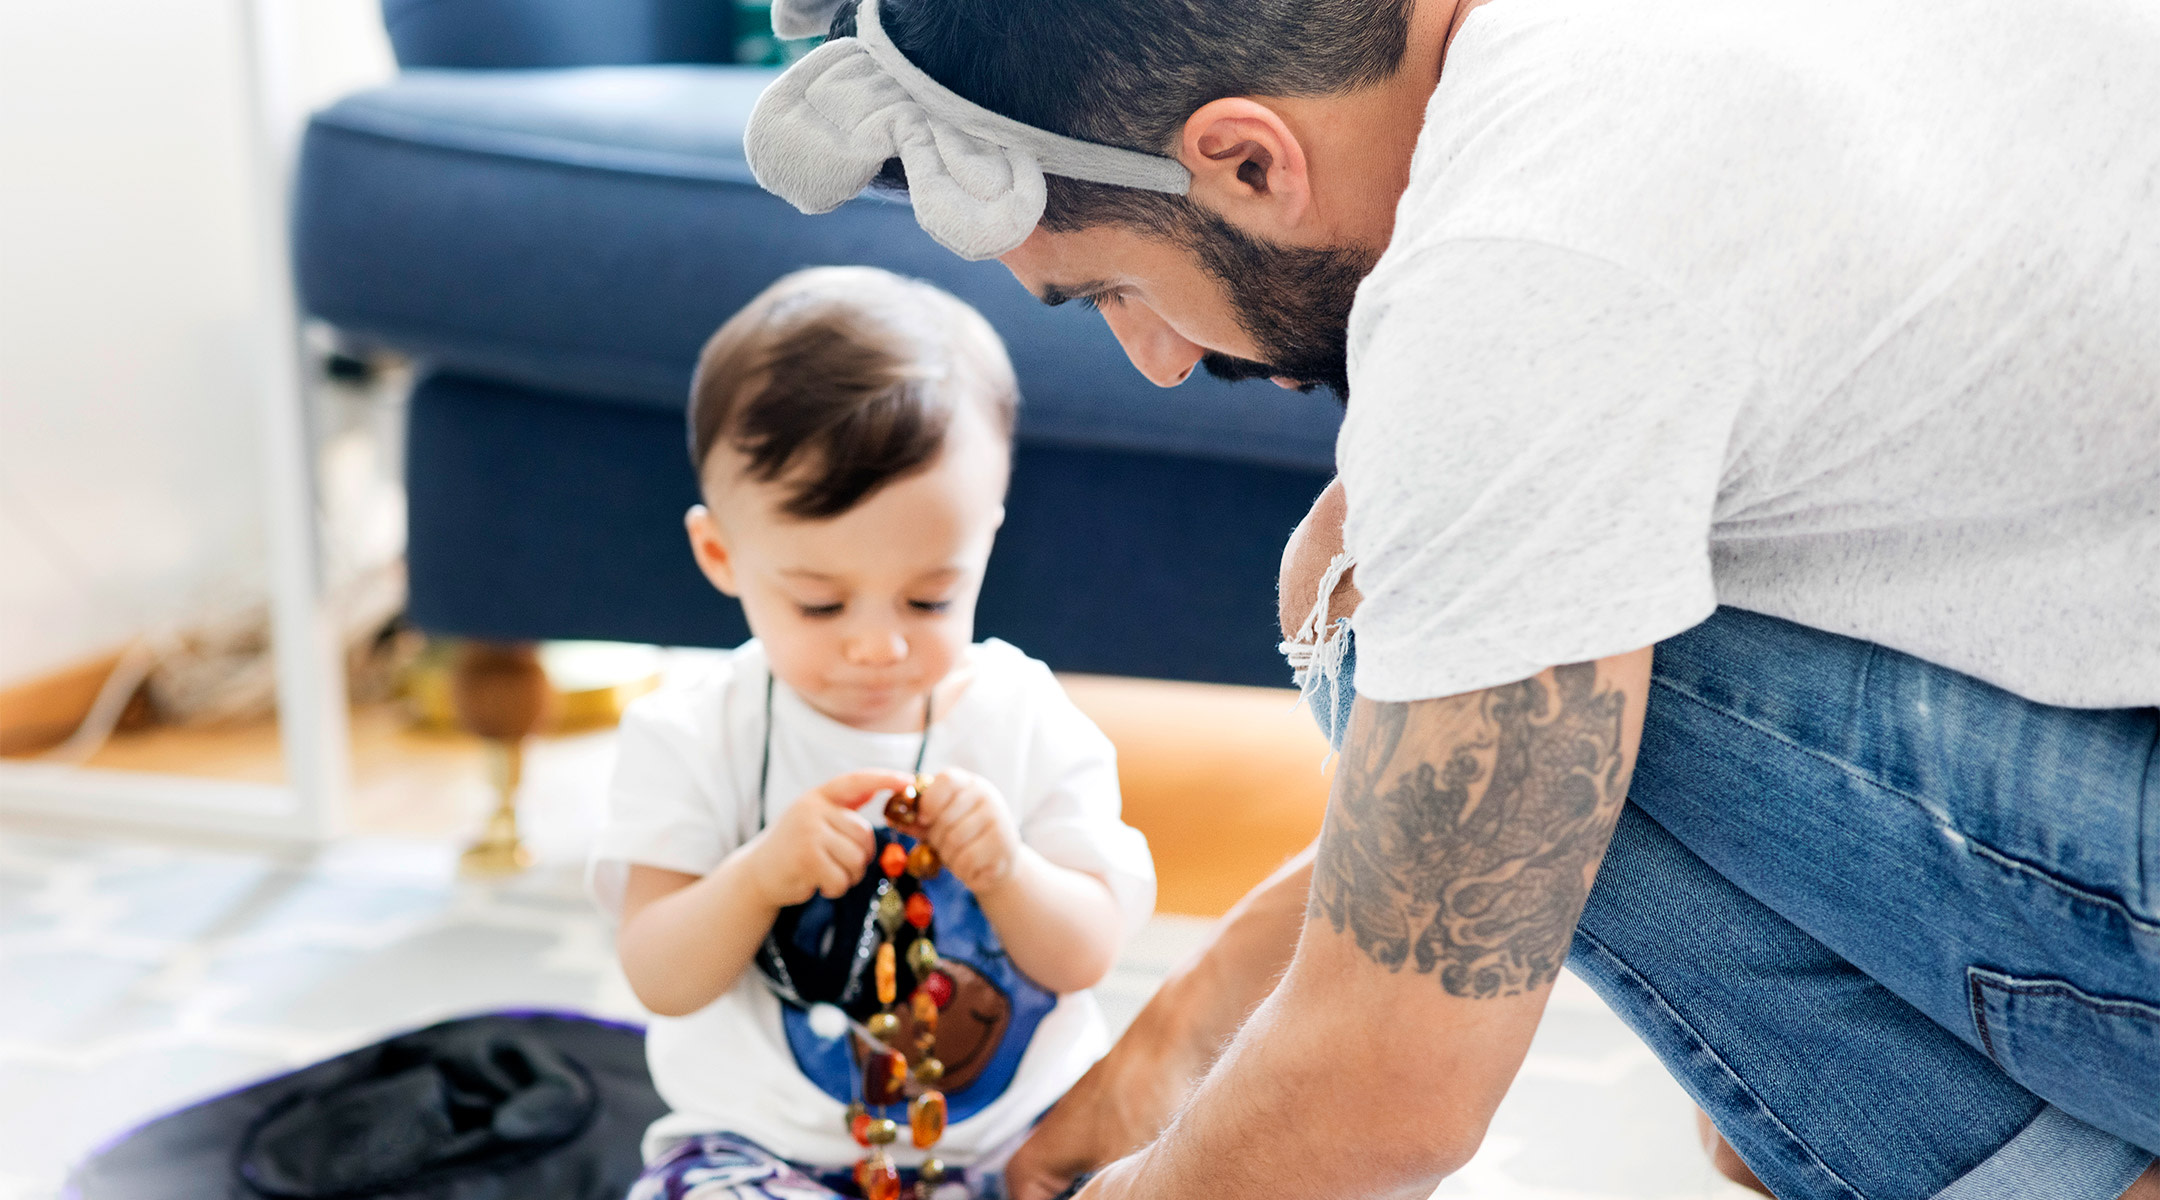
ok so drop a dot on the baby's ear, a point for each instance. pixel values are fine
(708, 544)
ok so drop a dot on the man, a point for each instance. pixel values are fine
(1752, 470)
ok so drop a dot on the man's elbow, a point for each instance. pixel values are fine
(1426, 1143)
(1421, 1125)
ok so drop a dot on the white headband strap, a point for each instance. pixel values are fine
(826, 127)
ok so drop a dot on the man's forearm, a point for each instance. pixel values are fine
(1204, 999)
(1318, 1098)
(1460, 844)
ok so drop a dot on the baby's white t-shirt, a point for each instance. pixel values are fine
(683, 797)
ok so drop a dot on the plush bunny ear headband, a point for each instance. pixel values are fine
(822, 131)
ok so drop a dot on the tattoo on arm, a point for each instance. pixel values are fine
(1464, 833)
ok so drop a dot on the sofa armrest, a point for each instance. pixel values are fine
(559, 33)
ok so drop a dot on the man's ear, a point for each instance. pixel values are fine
(708, 544)
(1247, 166)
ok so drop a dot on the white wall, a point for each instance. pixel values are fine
(128, 462)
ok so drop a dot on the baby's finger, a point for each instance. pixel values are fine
(961, 805)
(966, 832)
(857, 788)
(990, 863)
(835, 873)
(974, 863)
(854, 828)
(852, 853)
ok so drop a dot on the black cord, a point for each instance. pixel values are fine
(764, 771)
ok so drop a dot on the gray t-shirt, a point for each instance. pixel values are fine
(1848, 313)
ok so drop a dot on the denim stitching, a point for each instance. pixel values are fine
(1941, 819)
(2129, 916)
(1979, 1016)
(2118, 1006)
(2149, 887)
(1979, 979)
(1702, 1046)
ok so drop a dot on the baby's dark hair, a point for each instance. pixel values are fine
(837, 381)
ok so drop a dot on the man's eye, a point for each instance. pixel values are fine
(820, 610)
(1102, 300)
(930, 606)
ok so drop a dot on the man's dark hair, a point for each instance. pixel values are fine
(836, 381)
(1129, 72)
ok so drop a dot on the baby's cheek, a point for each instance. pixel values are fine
(941, 646)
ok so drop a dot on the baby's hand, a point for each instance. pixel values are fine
(820, 844)
(966, 821)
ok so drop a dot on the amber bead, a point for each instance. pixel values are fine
(929, 1070)
(925, 1008)
(931, 1172)
(923, 862)
(858, 1124)
(920, 910)
(926, 1118)
(888, 974)
(940, 987)
(890, 912)
(882, 1025)
(885, 1075)
(921, 958)
(892, 860)
(901, 810)
(862, 1173)
(880, 1179)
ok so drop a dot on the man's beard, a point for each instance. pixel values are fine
(1293, 301)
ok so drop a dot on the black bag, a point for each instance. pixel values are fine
(531, 1106)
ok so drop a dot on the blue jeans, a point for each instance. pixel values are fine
(1896, 930)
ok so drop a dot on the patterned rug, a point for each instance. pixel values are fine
(135, 978)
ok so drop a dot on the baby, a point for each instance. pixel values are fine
(852, 433)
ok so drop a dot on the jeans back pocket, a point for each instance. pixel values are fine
(2095, 1057)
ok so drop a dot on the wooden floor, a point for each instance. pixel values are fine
(1225, 782)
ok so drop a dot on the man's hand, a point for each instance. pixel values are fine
(820, 845)
(1131, 1093)
(1120, 1105)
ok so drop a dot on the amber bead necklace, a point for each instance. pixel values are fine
(887, 1075)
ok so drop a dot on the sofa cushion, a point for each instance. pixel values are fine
(546, 516)
(585, 230)
(561, 33)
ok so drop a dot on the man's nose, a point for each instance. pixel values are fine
(1160, 352)
(875, 648)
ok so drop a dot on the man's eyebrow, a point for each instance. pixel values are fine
(1054, 295)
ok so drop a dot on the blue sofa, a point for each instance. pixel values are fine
(549, 211)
